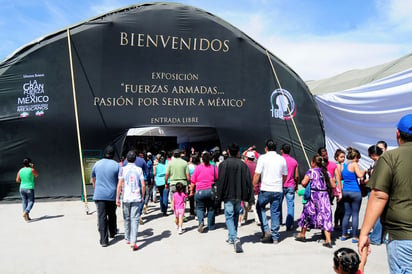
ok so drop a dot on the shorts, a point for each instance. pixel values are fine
(180, 212)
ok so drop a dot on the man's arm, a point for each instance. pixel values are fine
(376, 203)
(119, 191)
(166, 179)
(142, 182)
(256, 178)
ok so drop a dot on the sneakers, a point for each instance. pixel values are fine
(200, 228)
(344, 238)
(180, 230)
(134, 247)
(237, 245)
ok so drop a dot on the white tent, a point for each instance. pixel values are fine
(360, 116)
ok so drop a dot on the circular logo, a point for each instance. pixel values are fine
(283, 105)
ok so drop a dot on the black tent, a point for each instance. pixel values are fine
(149, 65)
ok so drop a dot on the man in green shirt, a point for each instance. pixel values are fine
(177, 170)
(391, 198)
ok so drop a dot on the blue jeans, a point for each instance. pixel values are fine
(27, 197)
(148, 195)
(399, 256)
(164, 198)
(204, 201)
(352, 202)
(289, 193)
(274, 199)
(232, 209)
(131, 217)
(376, 234)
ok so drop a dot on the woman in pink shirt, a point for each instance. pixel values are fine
(204, 176)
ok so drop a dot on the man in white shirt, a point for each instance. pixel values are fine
(272, 170)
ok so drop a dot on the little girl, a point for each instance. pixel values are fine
(340, 207)
(346, 261)
(178, 205)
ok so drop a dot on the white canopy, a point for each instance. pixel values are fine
(361, 116)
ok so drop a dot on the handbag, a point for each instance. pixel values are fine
(364, 189)
(307, 193)
(214, 186)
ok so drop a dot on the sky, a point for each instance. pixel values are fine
(316, 38)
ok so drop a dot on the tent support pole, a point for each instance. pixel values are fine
(77, 122)
(293, 121)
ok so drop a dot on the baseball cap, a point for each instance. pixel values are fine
(405, 124)
(250, 154)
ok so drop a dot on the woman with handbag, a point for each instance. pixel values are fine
(203, 179)
(317, 212)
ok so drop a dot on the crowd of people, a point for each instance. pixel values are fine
(250, 181)
(241, 183)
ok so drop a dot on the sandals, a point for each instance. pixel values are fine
(300, 239)
(328, 245)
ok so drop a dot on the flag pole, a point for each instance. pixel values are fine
(77, 122)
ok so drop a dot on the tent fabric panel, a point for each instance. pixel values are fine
(361, 116)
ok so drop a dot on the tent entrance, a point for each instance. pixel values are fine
(155, 139)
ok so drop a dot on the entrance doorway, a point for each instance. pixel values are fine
(156, 139)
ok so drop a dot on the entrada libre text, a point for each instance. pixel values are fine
(174, 120)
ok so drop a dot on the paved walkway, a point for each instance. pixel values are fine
(61, 238)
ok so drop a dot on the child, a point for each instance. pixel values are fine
(178, 205)
(340, 208)
(241, 212)
(346, 261)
